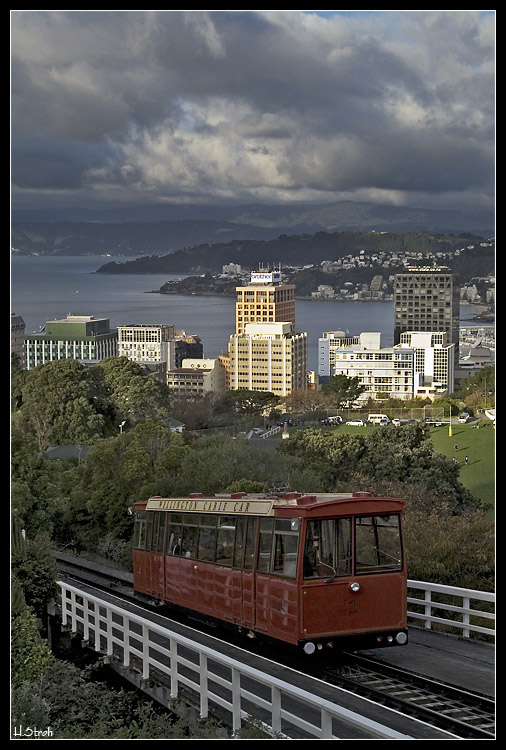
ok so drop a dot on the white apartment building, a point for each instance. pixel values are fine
(333, 341)
(268, 357)
(434, 362)
(421, 365)
(384, 373)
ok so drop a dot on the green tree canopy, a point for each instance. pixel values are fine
(343, 390)
(135, 396)
(247, 403)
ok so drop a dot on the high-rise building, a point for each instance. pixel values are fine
(266, 299)
(427, 298)
(266, 353)
(268, 357)
(82, 337)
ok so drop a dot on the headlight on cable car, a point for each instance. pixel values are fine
(401, 638)
(355, 587)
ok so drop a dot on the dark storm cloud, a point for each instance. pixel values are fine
(267, 106)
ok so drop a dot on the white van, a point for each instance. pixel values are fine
(464, 417)
(378, 419)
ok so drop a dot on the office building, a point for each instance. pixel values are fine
(82, 337)
(266, 299)
(268, 357)
(427, 298)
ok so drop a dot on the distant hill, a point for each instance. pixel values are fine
(128, 239)
(290, 250)
(163, 229)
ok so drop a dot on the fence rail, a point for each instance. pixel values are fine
(447, 595)
(213, 677)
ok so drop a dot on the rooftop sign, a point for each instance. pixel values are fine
(265, 277)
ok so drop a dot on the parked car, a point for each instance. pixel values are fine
(384, 421)
(396, 422)
(464, 417)
(335, 420)
(356, 423)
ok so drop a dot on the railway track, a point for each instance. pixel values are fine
(465, 714)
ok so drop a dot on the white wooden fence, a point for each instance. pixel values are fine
(156, 652)
(212, 677)
(428, 607)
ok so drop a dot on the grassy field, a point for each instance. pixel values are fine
(478, 475)
(479, 447)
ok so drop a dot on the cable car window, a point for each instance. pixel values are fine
(249, 546)
(140, 530)
(175, 535)
(158, 532)
(225, 541)
(327, 548)
(149, 530)
(265, 545)
(207, 538)
(240, 539)
(286, 545)
(378, 544)
(190, 535)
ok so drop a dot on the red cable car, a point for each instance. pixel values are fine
(313, 571)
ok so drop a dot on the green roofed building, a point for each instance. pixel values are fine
(81, 337)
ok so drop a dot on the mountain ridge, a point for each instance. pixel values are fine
(164, 229)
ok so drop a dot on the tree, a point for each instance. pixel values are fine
(135, 396)
(304, 401)
(247, 403)
(60, 403)
(344, 390)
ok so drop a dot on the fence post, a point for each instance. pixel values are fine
(326, 725)
(86, 617)
(145, 652)
(466, 604)
(110, 645)
(126, 641)
(276, 709)
(173, 669)
(236, 699)
(204, 699)
(428, 608)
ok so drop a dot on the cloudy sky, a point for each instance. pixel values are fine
(134, 107)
